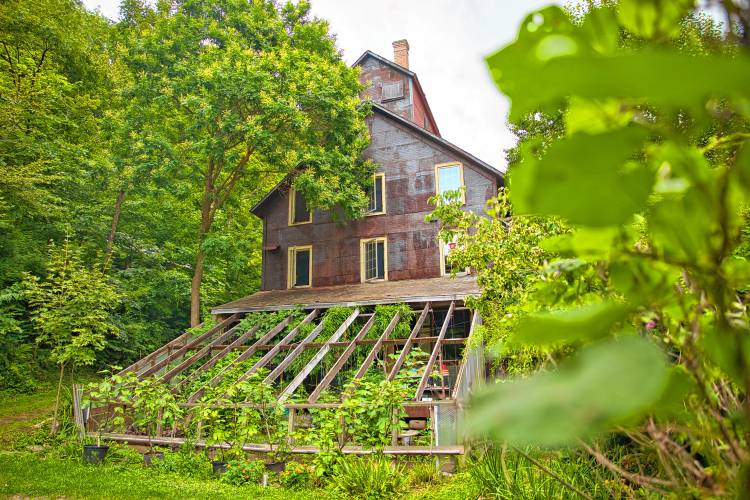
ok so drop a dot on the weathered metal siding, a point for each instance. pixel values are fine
(374, 74)
(408, 160)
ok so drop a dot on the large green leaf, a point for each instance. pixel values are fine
(553, 59)
(587, 322)
(606, 385)
(585, 179)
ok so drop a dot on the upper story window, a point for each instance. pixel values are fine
(377, 195)
(298, 211)
(374, 259)
(449, 177)
(300, 267)
(393, 91)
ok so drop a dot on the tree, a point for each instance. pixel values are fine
(242, 94)
(71, 309)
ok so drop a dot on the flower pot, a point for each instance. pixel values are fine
(276, 466)
(150, 458)
(93, 454)
(219, 467)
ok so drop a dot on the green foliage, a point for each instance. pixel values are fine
(297, 476)
(154, 405)
(383, 316)
(240, 472)
(372, 477)
(629, 196)
(72, 308)
(332, 320)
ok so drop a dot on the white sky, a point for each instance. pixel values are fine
(448, 41)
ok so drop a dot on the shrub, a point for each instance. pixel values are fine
(297, 475)
(184, 462)
(240, 472)
(424, 473)
(370, 478)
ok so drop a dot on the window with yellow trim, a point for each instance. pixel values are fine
(446, 268)
(449, 177)
(298, 211)
(374, 259)
(377, 195)
(300, 267)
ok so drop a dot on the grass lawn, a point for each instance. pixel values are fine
(26, 475)
(46, 475)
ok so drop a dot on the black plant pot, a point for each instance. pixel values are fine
(150, 458)
(93, 454)
(219, 467)
(277, 467)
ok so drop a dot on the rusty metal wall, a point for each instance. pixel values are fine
(408, 160)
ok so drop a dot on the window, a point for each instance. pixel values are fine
(446, 268)
(300, 267)
(374, 259)
(393, 91)
(377, 195)
(449, 177)
(298, 211)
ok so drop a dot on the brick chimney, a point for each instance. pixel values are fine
(401, 53)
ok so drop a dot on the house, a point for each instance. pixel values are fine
(308, 258)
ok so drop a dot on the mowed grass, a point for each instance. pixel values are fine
(26, 475)
(19, 414)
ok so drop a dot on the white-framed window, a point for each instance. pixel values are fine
(373, 254)
(299, 267)
(377, 195)
(298, 211)
(450, 177)
(446, 268)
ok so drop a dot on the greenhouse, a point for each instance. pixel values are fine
(349, 378)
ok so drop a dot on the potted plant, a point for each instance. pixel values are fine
(154, 404)
(112, 393)
(215, 422)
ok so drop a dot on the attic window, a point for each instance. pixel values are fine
(392, 91)
(298, 211)
(377, 195)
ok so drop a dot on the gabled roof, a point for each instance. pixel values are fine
(405, 71)
(439, 140)
(385, 112)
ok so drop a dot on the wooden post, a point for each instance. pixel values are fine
(290, 430)
(78, 411)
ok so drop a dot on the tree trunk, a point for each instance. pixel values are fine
(55, 423)
(113, 229)
(206, 221)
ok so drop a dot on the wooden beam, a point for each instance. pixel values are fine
(215, 358)
(310, 366)
(202, 353)
(263, 448)
(407, 346)
(244, 356)
(272, 353)
(189, 345)
(340, 362)
(435, 351)
(376, 348)
(276, 372)
(141, 362)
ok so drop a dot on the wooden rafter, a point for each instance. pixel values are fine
(216, 358)
(189, 345)
(143, 361)
(409, 341)
(310, 366)
(242, 357)
(341, 361)
(200, 354)
(284, 342)
(376, 348)
(434, 355)
(276, 372)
